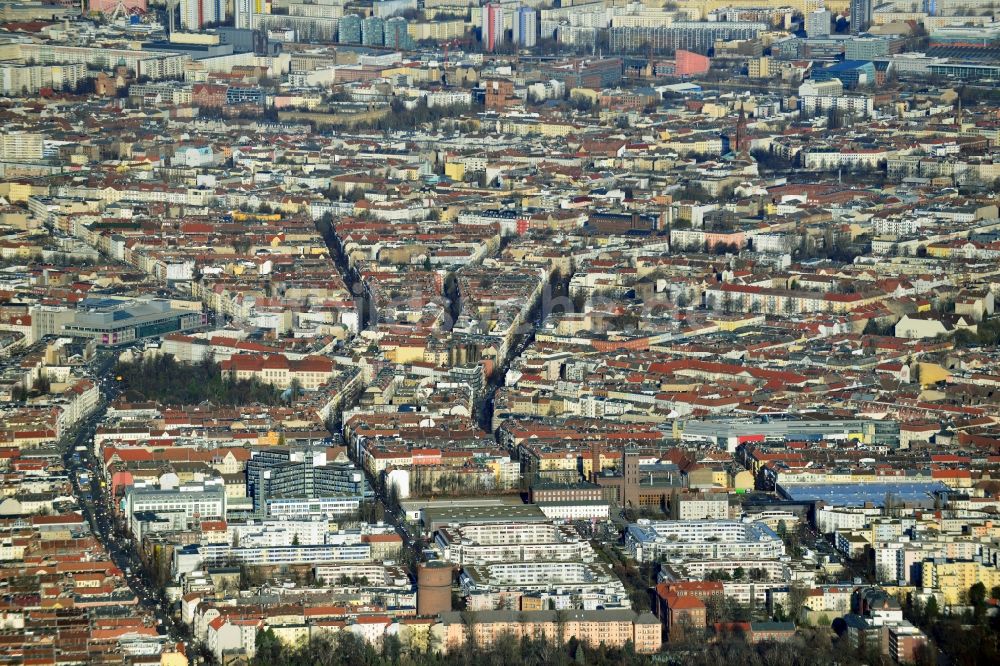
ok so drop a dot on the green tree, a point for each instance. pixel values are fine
(977, 599)
(931, 609)
(268, 647)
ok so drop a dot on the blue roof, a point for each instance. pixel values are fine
(857, 494)
(846, 65)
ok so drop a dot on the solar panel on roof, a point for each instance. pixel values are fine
(857, 494)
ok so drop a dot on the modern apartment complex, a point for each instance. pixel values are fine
(648, 541)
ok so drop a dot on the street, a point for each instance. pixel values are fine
(95, 503)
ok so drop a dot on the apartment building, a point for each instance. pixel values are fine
(751, 298)
(855, 105)
(953, 578)
(702, 506)
(16, 79)
(201, 555)
(483, 543)
(157, 65)
(614, 628)
(21, 146)
(648, 541)
(695, 36)
(587, 585)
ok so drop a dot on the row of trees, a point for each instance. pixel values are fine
(347, 649)
(739, 573)
(809, 647)
(402, 118)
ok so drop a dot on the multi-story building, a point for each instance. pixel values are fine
(965, 70)
(587, 585)
(525, 27)
(697, 36)
(305, 507)
(614, 628)
(243, 13)
(954, 578)
(396, 34)
(549, 491)
(483, 543)
(648, 541)
(181, 503)
(21, 146)
(869, 48)
(286, 473)
(584, 72)
(702, 506)
(279, 370)
(372, 31)
(236, 95)
(759, 68)
(161, 93)
(436, 30)
(492, 25)
(861, 106)
(438, 98)
(198, 556)
(156, 65)
(16, 79)
(818, 23)
(740, 298)
(349, 29)
(851, 73)
(861, 16)
(905, 642)
(275, 532)
(197, 14)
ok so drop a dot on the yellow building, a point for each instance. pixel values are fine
(454, 170)
(930, 374)
(405, 353)
(611, 627)
(173, 658)
(742, 480)
(759, 68)
(240, 216)
(438, 30)
(736, 321)
(16, 192)
(954, 579)
(421, 74)
(291, 634)
(415, 633)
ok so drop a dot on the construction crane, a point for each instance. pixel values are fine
(444, 64)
